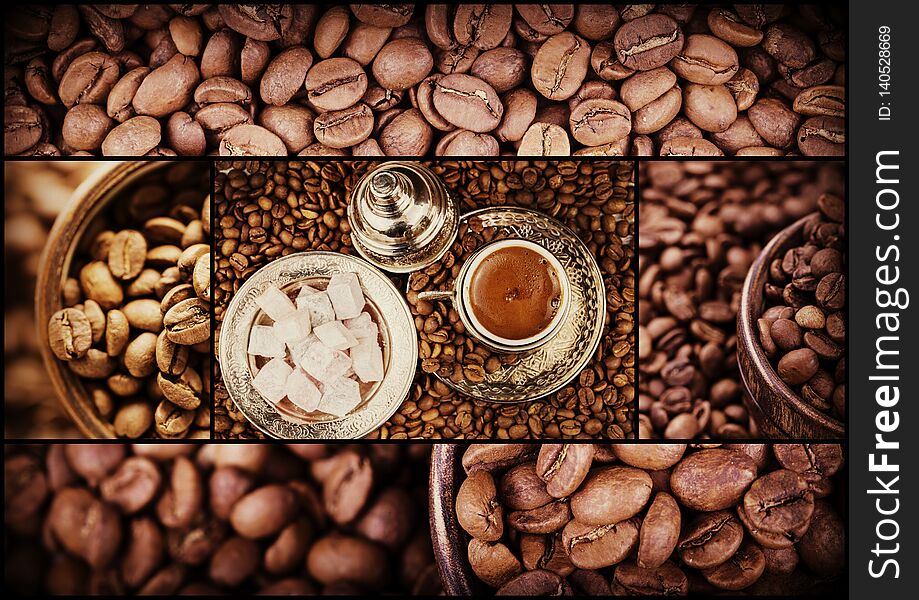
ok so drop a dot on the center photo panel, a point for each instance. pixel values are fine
(437, 300)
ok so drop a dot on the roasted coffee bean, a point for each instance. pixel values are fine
(69, 333)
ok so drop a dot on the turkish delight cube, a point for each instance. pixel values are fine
(363, 327)
(275, 303)
(344, 291)
(264, 342)
(305, 290)
(335, 335)
(271, 380)
(302, 391)
(319, 307)
(324, 363)
(340, 396)
(294, 327)
(367, 361)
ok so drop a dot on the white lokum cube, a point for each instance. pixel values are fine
(264, 342)
(363, 327)
(367, 361)
(324, 363)
(275, 303)
(294, 327)
(302, 392)
(340, 396)
(335, 335)
(305, 290)
(271, 380)
(298, 347)
(319, 307)
(345, 293)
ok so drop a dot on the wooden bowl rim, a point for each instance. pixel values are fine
(446, 536)
(87, 201)
(751, 304)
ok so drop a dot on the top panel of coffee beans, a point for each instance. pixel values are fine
(407, 80)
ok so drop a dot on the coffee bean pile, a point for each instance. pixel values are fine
(210, 519)
(135, 326)
(266, 210)
(400, 79)
(803, 328)
(34, 194)
(702, 225)
(654, 519)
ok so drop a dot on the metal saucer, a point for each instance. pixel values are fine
(398, 338)
(551, 367)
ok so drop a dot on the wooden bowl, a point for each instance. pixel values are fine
(448, 539)
(87, 201)
(778, 411)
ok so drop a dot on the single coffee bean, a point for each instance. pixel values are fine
(134, 137)
(710, 539)
(798, 366)
(563, 467)
(251, 140)
(560, 66)
(535, 583)
(821, 100)
(522, 489)
(660, 531)
(468, 102)
(402, 63)
(168, 88)
(343, 128)
(779, 501)
(596, 122)
(544, 139)
(335, 83)
(595, 547)
(634, 580)
(740, 571)
(69, 333)
(648, 42)
(493, 562)
(706, 60)
(712, 479)
(127, 254)
(593, 503)
(477, 507)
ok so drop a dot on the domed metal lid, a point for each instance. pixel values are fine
(402, 217)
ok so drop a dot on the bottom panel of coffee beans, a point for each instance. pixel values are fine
(211, 519)
(649, 519)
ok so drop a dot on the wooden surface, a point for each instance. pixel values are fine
(777, 410)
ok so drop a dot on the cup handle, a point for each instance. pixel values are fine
(437, 295)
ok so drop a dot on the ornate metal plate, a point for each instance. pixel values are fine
(386, 306)
(549, 368)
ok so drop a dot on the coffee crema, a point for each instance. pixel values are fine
(514, 293)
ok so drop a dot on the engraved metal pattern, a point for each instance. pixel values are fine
(549, 368)
(399, 340)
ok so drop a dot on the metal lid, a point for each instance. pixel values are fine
(402, 217)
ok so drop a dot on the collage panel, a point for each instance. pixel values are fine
(446, 299)
(426, 80)
(121, 299)
(742, 300)
(427, 519)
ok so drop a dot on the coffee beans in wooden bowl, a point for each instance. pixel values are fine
(644, 519)
(129, 341)
(803, 327)
(166, 519)
(416, 80)
(702, 227)
(270, 209)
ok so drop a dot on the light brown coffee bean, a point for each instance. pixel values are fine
(69, 333)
